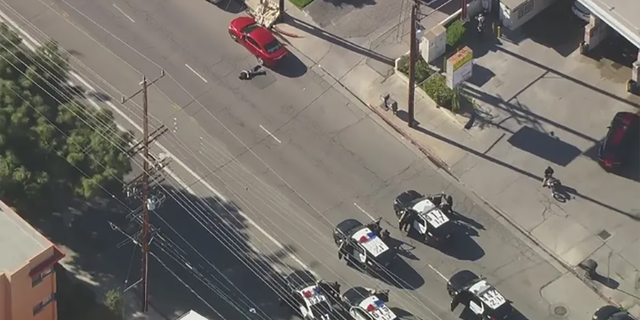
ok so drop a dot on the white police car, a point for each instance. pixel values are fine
(308, 298)
(431, 223)
(362, 246)
(476, 293)
(367, 304)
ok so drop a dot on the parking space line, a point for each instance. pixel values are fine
(438, 272)
(124, 14)
(359, 208)
(196, 73)
(270, 134)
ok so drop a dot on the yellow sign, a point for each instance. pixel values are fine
(461, 58)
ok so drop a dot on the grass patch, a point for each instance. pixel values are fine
(301, 3)
(436, 88)
(423, 71)
(456, 32)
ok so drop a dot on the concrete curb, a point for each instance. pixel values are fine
(444, 166)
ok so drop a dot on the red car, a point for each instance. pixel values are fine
(621, 142)
(257, 39)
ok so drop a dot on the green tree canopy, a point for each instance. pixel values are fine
(51, 145)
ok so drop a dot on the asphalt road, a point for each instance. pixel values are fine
(326, 161)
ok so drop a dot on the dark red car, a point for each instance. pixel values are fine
(622, 140)
(257, 39)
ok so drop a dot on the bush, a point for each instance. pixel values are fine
(423, 71)
(114, 300)
(436, 88)
(455, 33)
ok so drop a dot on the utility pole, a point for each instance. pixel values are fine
(281, 10)
(144, 180)
(413, 56)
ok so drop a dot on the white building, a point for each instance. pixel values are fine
(192, 315)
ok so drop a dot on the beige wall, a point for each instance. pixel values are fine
(513, 18)
(5, 307)
(24, 296)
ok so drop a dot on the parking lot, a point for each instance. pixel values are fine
(544, 104)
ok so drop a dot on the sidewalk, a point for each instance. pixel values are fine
(544, 91)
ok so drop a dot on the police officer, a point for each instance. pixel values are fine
(345, 249)
(447, 205)
(406, 219)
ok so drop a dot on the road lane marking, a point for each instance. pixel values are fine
(34, 43)
(438, 272)
(367, 213)
(124, 14)
(270, 134)
(196, 73)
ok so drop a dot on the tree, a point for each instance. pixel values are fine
(51, 145)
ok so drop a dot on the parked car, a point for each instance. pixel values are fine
(258, 40)
(621, 142)
(611, 313)
(580, 11)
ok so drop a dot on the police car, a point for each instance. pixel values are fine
(478, 295)
(366, 304)
(362, 245)
(307, 297)
(431, 223)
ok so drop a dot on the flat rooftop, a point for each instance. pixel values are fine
(19, 241)
(626, 14)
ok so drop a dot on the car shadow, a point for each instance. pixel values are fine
(403, 314)
(457, 216)
(232, 6)
(290, 66)
(403, 249)
(462, 246)
(401, 275)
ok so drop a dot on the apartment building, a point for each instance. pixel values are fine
(27, 277)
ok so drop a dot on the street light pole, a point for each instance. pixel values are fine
(413, 55)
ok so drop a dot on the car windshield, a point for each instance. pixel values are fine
(320, 309)
(249, 28)
(272, 46)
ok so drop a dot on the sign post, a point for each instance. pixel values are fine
(459, 67)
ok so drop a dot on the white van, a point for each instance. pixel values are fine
(581, 11)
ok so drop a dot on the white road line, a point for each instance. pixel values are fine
(438, 272)
(124, 14)
(34, 43)
(359, 208)
(270, 134)
(197, 74)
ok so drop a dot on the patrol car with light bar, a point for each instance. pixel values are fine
(431, 223)
(367, 304)
(363, 246)
(478, 295)
(310, 298)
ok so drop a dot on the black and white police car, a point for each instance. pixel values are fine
(363, 246)
(478, 295)
(367, 304)
(309, 298)
(431, 223)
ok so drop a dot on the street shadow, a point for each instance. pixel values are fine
(480, 75)
(402, 276)
(200, 257)
(232, 6)
(333, 39)
(461, 245)
(544, 145)
(520, 171)
(556, 27)
(607, 282)
(466, 220)
(445, 6)
(404, 116)
(290, 66)
(616, 50)
(403, 314)
(353, 3)
(403, 249)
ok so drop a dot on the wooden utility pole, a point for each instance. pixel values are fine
(281, 10)
(413, 56)
(145, 187)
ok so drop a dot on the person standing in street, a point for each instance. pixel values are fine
(405, 220)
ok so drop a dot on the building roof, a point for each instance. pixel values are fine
(192, 315)
(512, 4)
(622, 15)
(19, 241)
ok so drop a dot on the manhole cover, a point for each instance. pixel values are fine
(604, 235)
(560, 310)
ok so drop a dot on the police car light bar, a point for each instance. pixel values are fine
(310, 293)
(377, 304)
(369, 236)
